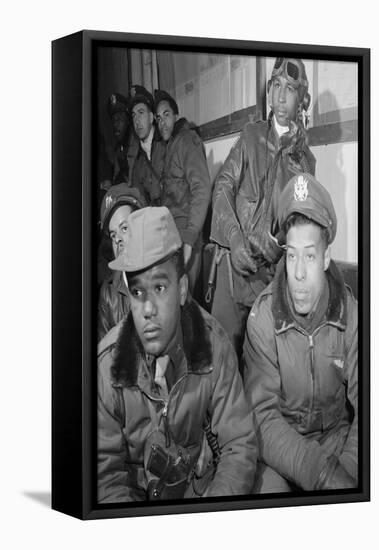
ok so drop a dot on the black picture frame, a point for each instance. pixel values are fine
(74, 274)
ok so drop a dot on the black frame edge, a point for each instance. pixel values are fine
(71, 490)
(67, 421)
(364, 264)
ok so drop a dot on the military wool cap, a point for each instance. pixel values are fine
(139, 94)
(119, 195)
(161, 95)
(117, 103)
(303, 194)
(152, 237)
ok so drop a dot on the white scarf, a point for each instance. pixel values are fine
(280, 129)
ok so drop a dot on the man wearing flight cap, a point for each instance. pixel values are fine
(147, 165)
(118, 203)
(169, 392)
(245, 199)
(300, 353)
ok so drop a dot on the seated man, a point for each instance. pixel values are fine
(119, 201)
(301, 355)
(167, 376)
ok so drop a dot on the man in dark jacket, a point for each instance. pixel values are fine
(148, 155)
(245, 198)
(119, 201)
(186, 188)
(300, 351)
(119, 114)
(170, 396)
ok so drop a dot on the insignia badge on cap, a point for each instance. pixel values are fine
(300, 189)
(113, 99)
(133, 91)
(108, 202)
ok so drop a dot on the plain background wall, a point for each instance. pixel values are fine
(27, 521)
(337, 169)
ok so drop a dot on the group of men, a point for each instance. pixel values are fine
(261, 394)
(163, 158)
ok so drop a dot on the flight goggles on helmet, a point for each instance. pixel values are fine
(292, 69)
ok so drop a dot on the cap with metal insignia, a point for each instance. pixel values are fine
(303, 194)
(117, 103)
(119, 195)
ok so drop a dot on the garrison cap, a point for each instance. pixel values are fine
(139, 94)
(117, 103)
(303, 194)
(152, 238)
(119, 195)
(161, 95)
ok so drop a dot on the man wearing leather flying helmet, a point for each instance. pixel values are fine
(246, 196)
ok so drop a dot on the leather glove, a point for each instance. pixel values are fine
(242, 260)
(334, 476)
(267, 246)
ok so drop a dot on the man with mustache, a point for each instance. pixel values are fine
(245, 198)
(118, 203)
(301, 353)
(172, 415)
(186, 187)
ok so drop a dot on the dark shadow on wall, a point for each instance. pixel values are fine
(331, 174)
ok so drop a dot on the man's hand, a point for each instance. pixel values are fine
(242, 260)
(187, 251)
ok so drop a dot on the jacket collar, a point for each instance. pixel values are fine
(336, 312)
(180, 124)
(118, 283)
(129, 351)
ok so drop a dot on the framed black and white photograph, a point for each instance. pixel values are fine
(213, 339)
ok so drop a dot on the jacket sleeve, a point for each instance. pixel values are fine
(349, 455)
(224, 221)
(197, 175)
(282, 448)
(111, 446)
(232, 422)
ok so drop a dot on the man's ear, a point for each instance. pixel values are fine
(327, 258)
(183, 289)
(151, 117)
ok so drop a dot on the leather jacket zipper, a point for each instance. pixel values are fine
(164, 413)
